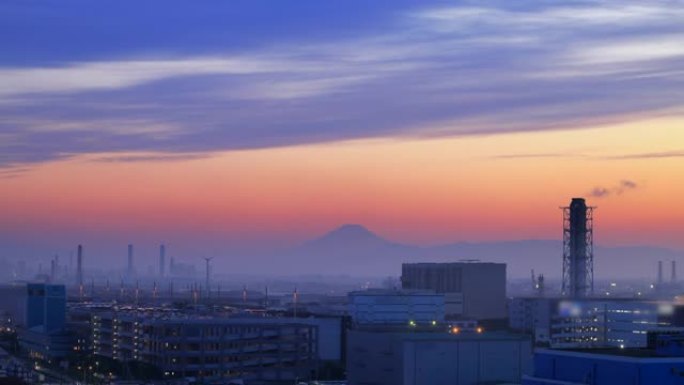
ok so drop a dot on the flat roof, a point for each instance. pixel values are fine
(409, 335)
(464, 262)
(395, 292)
(630, 354)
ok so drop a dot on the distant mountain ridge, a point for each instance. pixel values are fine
(355, 250)
(349, 235)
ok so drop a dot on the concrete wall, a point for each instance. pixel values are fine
(465, 362)
(329, 337)
(482, 285)
(374, 359)
(386, 358)
(484, 290)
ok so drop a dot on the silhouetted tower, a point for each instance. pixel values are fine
(266, 297)
(674, 271)
(129, 268)
(538, 284)
(295, 301)
(79, 265)
(207, 260)
(660, 273)
(578, 249)
(53, 270)
(162, 260)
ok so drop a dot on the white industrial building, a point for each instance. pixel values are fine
(396, 307)
(566, 323)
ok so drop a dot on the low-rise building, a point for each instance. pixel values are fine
(593, 322)
(255, 350)
(605, 367)
(388, 307)
(385, 357)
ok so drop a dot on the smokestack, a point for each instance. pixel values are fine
(660, 272)
(207, 277)
(162, 260)
(674, 271)
(130, 259)
(79, 265)
(578, 249)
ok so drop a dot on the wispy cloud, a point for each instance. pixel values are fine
(534, 156)
(129, 158)
(649, 155)
(619, 189)
(467, 69)
(9, 172)
(80, 77)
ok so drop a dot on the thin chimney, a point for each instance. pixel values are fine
(660, 272)
(79, 265)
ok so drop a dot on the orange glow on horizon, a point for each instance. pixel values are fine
(409, 190)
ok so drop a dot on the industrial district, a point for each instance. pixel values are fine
(455, 323)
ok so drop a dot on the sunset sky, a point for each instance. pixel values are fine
(247, 125)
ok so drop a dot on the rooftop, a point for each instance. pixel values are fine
(613, 353)
(422, 335)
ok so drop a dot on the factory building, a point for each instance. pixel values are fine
(567, 324)
(44, 335)
(654, 365)
(472, 290)
(384, 357)
(46, 307)
(578, 249)
(395, 307)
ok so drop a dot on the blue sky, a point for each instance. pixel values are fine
(148, 99)
(187, 78)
